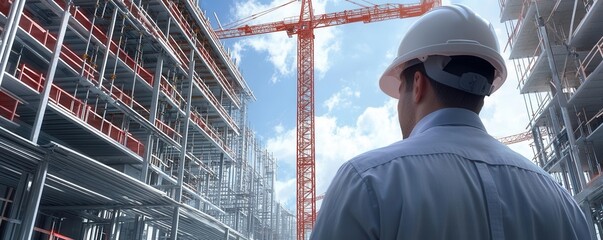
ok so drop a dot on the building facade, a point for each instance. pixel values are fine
(126, 119)
(556, 47)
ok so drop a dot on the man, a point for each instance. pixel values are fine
(448, 179)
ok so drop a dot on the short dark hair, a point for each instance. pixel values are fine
(448, 96)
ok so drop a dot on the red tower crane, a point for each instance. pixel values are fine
(303, 26)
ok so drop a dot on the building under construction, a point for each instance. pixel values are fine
(126, 119)
(556, 47)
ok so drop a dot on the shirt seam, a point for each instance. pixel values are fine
(361, 173)
(371, 191)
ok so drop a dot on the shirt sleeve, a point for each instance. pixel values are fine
(349, 209)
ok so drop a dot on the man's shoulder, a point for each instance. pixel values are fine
(468, 143)
(384, 155)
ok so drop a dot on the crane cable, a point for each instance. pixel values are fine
(361, 4)
(242, 21)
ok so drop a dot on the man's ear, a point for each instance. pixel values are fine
(419, 86)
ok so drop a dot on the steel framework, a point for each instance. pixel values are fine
(126, 119)
(556, 47)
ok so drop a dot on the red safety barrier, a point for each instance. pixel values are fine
(125, 98)
(171, 92)
(179, 53)
(8, 106)
(196, 117)
(80, 110)
(205, 54)
(52, 234)
(77, 63)
(221, 78)
(31, 78)
(168, 130)
(68, 101)
(5, 7)
(81, 18)
(175, 12)
(205, 89)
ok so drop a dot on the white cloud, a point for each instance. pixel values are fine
(279, 128)
(284, 189)
(280, 48)
(336, 143)
(341, 99)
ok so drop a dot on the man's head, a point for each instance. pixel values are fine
(448, 58)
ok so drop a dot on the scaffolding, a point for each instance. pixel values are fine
(126, 119)
(557, 49)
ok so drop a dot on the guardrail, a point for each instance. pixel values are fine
(80, 110)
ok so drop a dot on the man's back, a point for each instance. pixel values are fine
(449, 180)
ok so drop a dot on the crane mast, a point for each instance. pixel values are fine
(303, 27)
(306, 182)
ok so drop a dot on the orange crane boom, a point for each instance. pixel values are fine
(520, 137)
(366, 14)
(303, 26)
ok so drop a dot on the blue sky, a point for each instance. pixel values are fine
(352, 114)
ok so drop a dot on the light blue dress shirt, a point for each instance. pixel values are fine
(448, 180)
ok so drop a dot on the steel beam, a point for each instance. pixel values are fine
(37, 125)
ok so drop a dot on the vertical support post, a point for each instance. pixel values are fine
(540, 155)
(37, 125)
(139, 227)
(108, 46)
(252, 204)
(176, 215)
(152, 118)
(220, 178)
(15, 211)
(9, 33)
(33, 203)
(588, 214)
(562, 101)
(226, 233)
(115, 224)
(167, 30)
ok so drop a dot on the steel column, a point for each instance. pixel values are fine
(220, 178)
(588, 214)
(16, 210)
(562, 101)
(9, 33)
(178, 197)
(226, 233)
(33, 203)
(37, 125)
(152, 118)
(107, 50)
(115, 225)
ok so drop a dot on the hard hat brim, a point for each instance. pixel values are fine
(390, 79)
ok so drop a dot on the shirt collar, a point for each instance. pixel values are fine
(448, 117)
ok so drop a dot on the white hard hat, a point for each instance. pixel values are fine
(447, 31)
